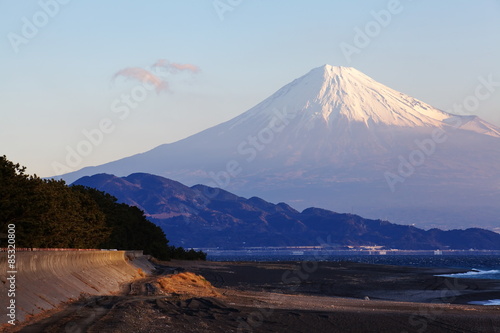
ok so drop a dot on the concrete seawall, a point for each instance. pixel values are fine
(45, 279)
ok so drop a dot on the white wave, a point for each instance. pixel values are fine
(475, 273)
(488, 302)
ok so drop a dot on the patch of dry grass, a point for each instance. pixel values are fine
(141, 273)
(188, 283)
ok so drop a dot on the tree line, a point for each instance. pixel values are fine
(50, 214)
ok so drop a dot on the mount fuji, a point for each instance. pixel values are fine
(335, 138)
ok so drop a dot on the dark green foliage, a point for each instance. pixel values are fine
(181, 253)
(48, 213)
(129, 227)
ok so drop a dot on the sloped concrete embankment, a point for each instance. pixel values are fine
(45, 279)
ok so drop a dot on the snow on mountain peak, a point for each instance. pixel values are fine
(331, 94)
(345, 92)
(330, 71)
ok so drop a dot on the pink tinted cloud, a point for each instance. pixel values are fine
(184, 67)
(153, 77)
(144, 76)
(173, 67)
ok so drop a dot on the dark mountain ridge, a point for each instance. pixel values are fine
(203, 216)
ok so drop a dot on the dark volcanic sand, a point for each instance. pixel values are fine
(346, 279)
(292, 297)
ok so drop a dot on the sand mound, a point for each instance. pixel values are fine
(188, 283)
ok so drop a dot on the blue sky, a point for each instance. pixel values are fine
(60, 82)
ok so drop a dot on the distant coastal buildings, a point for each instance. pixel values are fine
(318, 251)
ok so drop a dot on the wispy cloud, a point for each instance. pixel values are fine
(154, 76)
(144, 76)
(175, 67)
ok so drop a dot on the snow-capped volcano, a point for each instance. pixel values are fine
(336, 138)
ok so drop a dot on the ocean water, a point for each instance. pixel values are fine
(488, 302)
(477, 266)
(476, 274)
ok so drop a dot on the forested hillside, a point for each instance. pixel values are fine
(50, 214)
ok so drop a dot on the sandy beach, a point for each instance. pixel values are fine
(286, 297)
